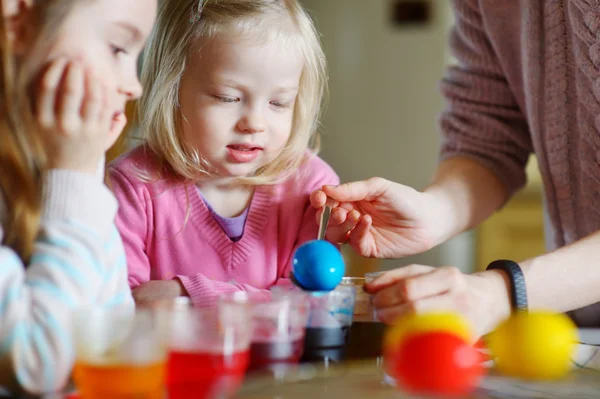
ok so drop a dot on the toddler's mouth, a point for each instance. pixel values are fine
(243, 153)
(244, 147)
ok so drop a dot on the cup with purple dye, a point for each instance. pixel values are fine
(328, 325)
(278, 329)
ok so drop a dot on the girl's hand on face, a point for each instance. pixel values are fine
(72, 109)
(383, 219)
(482, 298)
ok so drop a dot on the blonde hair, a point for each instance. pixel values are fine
(22, 155)
(180, 25)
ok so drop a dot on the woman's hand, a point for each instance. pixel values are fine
(482, 298)
(383, 219)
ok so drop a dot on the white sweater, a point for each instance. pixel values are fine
(78, 261)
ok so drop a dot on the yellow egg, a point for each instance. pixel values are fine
(536, 345)
(427, 322)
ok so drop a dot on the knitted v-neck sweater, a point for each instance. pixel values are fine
(528, 80)
(169, 232)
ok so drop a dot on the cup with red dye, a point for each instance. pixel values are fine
(208, 349)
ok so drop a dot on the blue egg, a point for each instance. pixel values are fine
(318, 266)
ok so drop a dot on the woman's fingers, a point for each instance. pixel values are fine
(358, 191)
(443, 302)
(338, 232)
(393, 276)
(318, 199)
(359, 237)
(417, 282)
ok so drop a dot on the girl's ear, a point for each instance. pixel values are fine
(16, 15)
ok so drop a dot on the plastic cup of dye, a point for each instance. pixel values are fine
(279, 323)
(369, 277)
(363, 306)
(119, 353)
(330, 316)
(208, 349)
(366, 332)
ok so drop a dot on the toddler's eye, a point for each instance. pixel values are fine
(279, 104)
(117, 50)
(225, 99)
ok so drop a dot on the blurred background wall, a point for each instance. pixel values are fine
(386, 58)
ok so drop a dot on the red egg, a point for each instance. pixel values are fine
(437, 363)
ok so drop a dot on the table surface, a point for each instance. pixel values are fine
(366, 379)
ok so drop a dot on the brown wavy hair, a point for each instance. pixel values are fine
(23, 158)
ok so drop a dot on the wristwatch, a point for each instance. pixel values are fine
(518, 290)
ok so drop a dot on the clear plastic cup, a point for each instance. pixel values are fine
(367, 332)
(387, 378)
(208, 349)
(120, 353)
(328, 325)
(279, 323)
(369, 277)
(363, 307)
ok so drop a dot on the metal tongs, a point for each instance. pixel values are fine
(324, 222)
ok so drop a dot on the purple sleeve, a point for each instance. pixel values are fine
(482, 120)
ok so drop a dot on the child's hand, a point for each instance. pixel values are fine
(158, 290)
(73, 109)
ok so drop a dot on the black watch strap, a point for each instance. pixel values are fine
(518, 290)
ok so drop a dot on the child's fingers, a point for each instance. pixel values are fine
(93, 100)
(106, 113)
(46, 99)
(70, 99)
